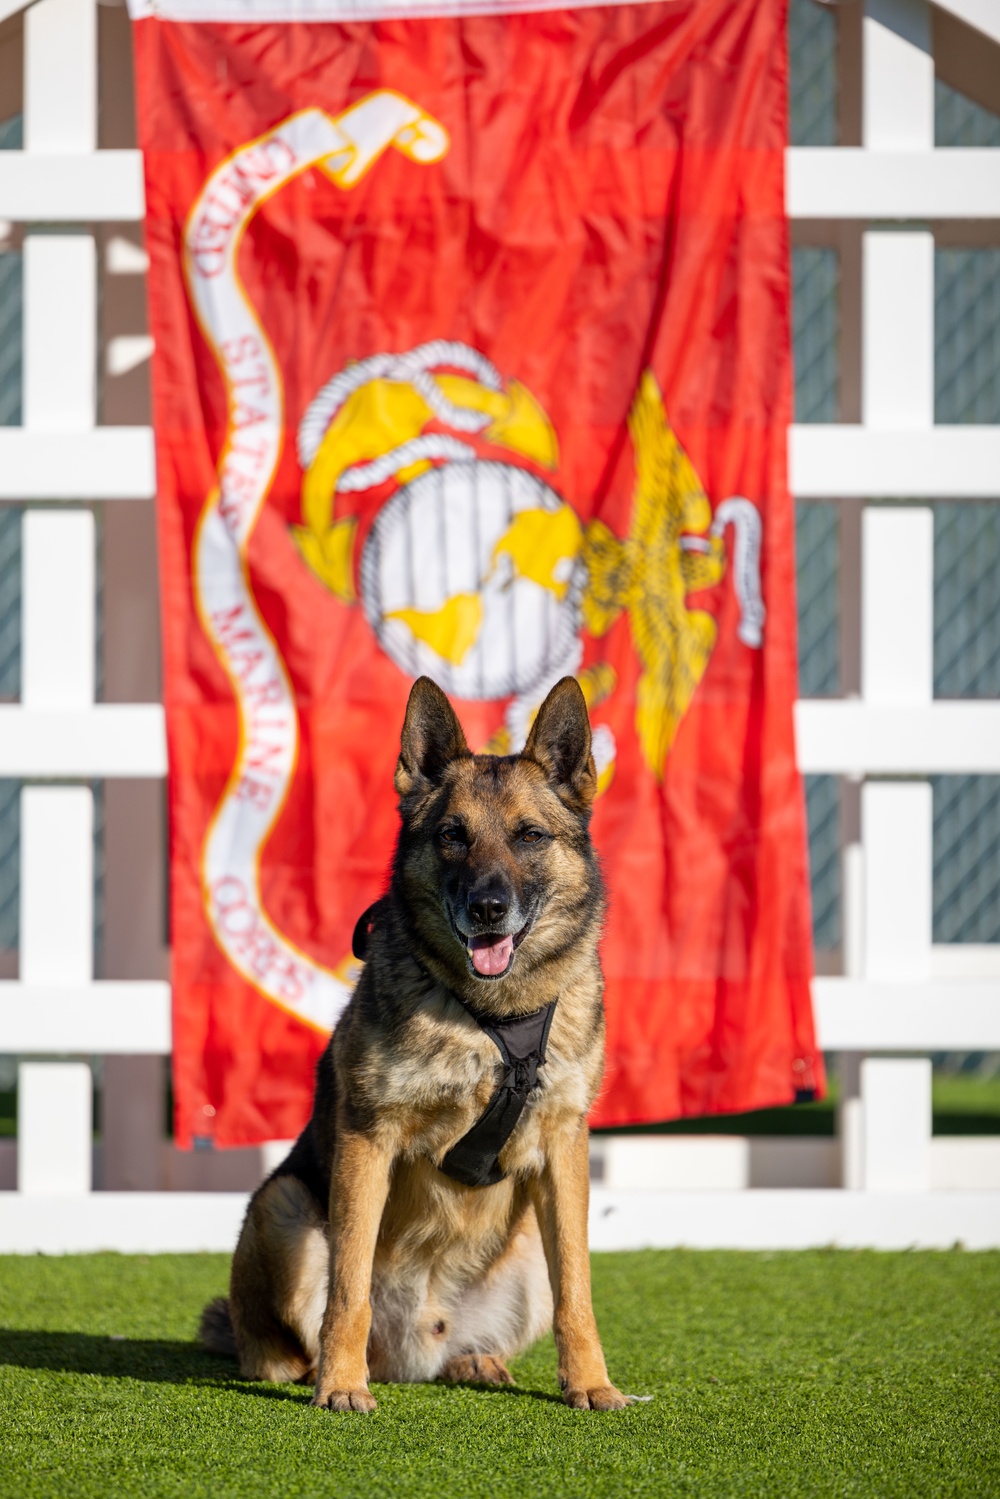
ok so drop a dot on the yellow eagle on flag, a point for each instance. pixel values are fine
(478, 573)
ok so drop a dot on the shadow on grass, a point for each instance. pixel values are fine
(152, 1359)
(161, 1362)
(499, 1389)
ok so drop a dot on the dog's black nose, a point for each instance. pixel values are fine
(488, 907)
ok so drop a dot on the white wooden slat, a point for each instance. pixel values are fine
(965, 1164)
(851, 1015)
(897, 1118)
(848, 182)
(896, 824)
(108, 463)
(804, 1219)
(888, 1128)
(638, 1163)
(57, 885)
(110, 739)
(954, 463)
(59, 395)
(965, 960)
(60, 332)
(104, 1018)
(822, 182)
(897, 613)
(863, 1015)
(851, 1135)
(717, 1163)
(897, 330)
(160, 1222)
(150, 1222)
(897, 76)
(852, 883)
(825, 462)
(854, 738)
(834, 738)
(60, 76)
(129, 1222)
(57, 609)
(104, 187)
(54, 1129)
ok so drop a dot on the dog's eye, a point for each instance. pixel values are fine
(532, 835)
(451, 835)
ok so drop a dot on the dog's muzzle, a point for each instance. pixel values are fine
(490, 954)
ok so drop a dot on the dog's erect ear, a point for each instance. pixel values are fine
(560, 743)
(432, 737)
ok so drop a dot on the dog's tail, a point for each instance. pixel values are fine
(215, 1330)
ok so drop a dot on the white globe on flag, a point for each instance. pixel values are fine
(472, 574)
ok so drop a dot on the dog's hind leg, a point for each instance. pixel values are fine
(279, 1283)
(476, 1368)
(502, 1314)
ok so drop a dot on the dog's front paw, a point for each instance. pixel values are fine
(603, 1398)
(359, 1399)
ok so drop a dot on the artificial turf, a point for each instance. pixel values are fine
(821, 1373)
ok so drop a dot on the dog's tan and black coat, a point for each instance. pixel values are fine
(360, 1258)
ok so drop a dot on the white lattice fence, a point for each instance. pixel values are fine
(897, 992)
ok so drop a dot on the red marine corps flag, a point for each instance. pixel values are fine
(472, 360)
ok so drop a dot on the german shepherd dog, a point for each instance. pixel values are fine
(362, 1257)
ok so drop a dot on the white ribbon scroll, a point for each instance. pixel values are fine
(344, 147)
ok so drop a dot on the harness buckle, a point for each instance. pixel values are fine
(522, 1075)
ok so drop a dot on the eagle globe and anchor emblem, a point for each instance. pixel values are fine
(475, 570)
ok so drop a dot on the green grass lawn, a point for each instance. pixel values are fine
(823, 1373)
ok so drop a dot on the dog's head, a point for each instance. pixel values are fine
(495, 862)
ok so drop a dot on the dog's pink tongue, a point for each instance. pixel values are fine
(490, 955)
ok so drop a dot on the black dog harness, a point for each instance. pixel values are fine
(521, 1042)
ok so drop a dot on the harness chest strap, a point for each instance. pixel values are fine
(521, 1042)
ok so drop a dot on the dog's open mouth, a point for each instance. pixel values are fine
(491, 956)
(492, 953)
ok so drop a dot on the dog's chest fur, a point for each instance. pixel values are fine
(434, 1081)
